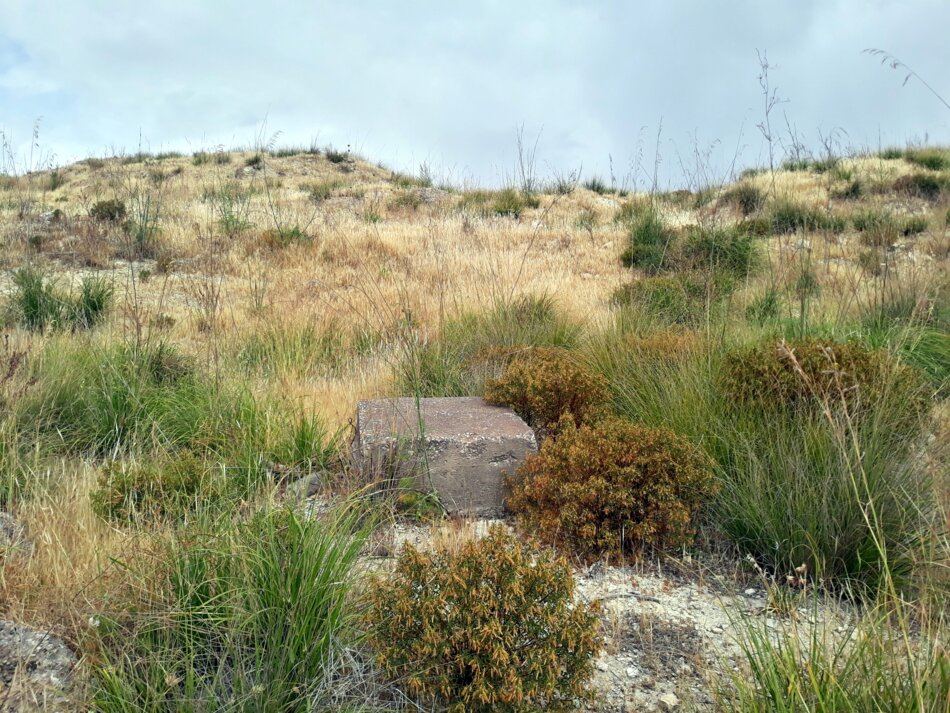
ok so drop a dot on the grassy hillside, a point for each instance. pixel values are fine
(185, 335)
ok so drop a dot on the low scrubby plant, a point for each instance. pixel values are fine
(492, 626)
(651, 244)
(806, 372)
(747, 197)
(684, 298)
(511, 202)
(932, 159)
(36, 302)
(112, 210)
(920, 185)
(720, 249)
(788, 216)
(475, 346)
(612, 488)
(168, 488)
(543, 384)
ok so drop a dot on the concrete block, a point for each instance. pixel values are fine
(460, 448)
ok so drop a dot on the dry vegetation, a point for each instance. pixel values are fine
(247, 300)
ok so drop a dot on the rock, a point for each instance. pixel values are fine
(668, 701)
(460, 448)
(37, 664)
(13, 539)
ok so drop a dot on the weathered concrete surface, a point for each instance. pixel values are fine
(469, 447)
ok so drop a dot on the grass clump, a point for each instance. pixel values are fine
(112, 210)
(322, 190)
(250, 615)
(788, 216)
(612, 488)
(475, 346)
(544, 384)
(512, 203)
(650, 244)
(168, 488)
(491, 626)
(729, 250)
(747, 197)
(36, 303)
(920, 185)
(931, 159)
(684, 298)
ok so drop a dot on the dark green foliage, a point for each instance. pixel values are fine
(920, 185)
(720, 249)
(596, 184)
(475, 346)
(891, 153)
(334, 156)
(747, 197)
(242, 614)
(651, 244)
(765, 309)
(932, 159)
(490, 627)
(790, 217)
(511, 202)
(913, 225)
(684, 298)
(168, 488)
(256, 161)
(112, 210)
(612, 488)
(850, 192)
(36, 302)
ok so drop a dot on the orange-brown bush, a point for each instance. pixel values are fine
(545, 383)
(807, 372)
(612, 488)
(490, 627)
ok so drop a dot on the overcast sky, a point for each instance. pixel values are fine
(447, 83)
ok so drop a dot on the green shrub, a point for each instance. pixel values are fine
(920, 185)
(914, 225)
(37, 304)
(765, 308)
(728, 250)
(109, 210)
(748, 198)
(512, 203)
(684, 298)
(335, 156)
(807, 372)
(932, 159)
(651, 244)
(850, 192)
(790, 217)
(891, 153)
(596, 184)
(612, 488)
(168, 488)
(543, 384)
(251, 614)
(475, 346)
(256, 161)
(878, 228)
(491, 627)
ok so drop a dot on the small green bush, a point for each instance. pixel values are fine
(512, 203)
(112, 210)
(748, 198)
(920, 185)
(612, 488)
(651, 244)
(252, 614)
(721, 249)
(168, 488)
(596, 184)
(684, 298)
(850, 192)
(790, 217)
(914, 225)
(810, 372)
(491, 627)
(37, 304)
(475, 346)
(932, 159)
(543, 384)
(335, 156)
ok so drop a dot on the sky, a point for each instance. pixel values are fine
(601, 87)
